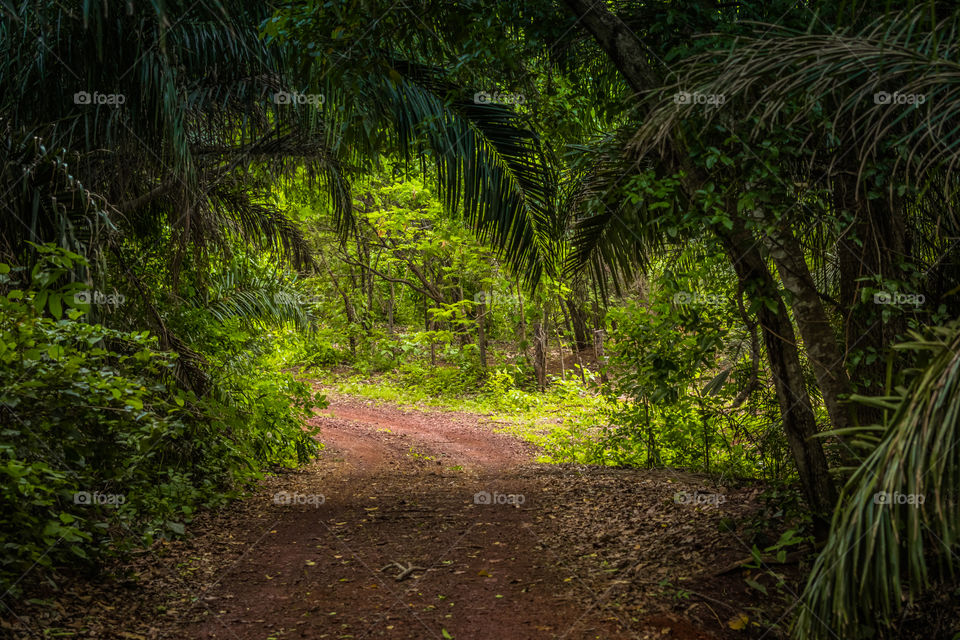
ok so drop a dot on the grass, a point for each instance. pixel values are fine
(562, 421)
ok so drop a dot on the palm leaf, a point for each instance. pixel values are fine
(878, 554)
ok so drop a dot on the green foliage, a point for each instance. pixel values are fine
(489, 165)
(899, 515)
(92, 414)
(679, 360)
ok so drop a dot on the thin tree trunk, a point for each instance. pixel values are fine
(653, 455)
(390, 310)
(523, 326)
(482, 335)
(819, 339)
(563, 373)
(796, 410)
(540, 355)
(428, 324)
(598, 351)
(348, 306)
(577, 341)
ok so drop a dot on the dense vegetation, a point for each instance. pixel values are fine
(735, 253)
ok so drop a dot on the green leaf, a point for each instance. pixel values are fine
(55, 307)
(756, 585)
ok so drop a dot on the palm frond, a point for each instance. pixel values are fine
(611, 231)
(851, 79)
(488, 161)
(880, 550)
(256, 298)
(196, 83)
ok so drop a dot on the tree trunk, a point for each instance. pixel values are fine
(482, 335)
(563, 373)
(796, 410)
(390, 310)
(864, 252)
(629, 56)
(653, 453)
(598, 351)
(540, 355)
(347, 305)
(577, 341)
(428, 324)
(618, 41)
(579, 325)
(819, 338)
(523, 326)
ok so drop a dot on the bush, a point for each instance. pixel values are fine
(101, 447)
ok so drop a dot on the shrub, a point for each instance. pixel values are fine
(101, 447)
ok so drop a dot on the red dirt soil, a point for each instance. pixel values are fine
(558, 551)
(400, 487)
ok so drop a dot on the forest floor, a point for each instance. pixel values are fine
(389, 535)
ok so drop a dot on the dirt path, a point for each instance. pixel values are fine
(409, 488)
(424, 524)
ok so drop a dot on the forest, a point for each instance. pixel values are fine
(480, 319)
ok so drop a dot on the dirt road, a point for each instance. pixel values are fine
(426, 524)
(451, 504)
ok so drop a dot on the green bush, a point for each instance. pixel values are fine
(102, 448)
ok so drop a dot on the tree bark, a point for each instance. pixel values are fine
(796, 411)
(819, 338)
(540, 355)
(579, 324)
(523, 326)
(347, 305)
(390, 310)
(865, 250)
(630, 58)
(428, 325)
(482, 334)
(619, 43)
(598, 351)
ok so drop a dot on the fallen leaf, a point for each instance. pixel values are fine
(738, 621)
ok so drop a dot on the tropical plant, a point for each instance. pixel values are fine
(898, 526)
